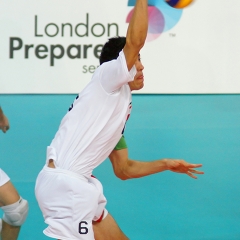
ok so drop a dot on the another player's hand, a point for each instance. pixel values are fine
(4, 124)
(181, 166)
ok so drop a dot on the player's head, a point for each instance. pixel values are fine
(112, 48)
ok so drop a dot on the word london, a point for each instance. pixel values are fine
(57, 51)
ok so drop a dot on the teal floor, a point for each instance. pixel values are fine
(166, 206)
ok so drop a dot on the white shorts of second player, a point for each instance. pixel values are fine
(69, 203)
(3, 177)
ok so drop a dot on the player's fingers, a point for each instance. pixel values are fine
(191, 175)
(5, 128)
(195, 171)
(194, 165)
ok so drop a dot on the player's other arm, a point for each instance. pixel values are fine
(136, 33)
(125, 168)
(4, 124)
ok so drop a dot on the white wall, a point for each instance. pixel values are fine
(197, 52)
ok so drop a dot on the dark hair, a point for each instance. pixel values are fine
(112, 48)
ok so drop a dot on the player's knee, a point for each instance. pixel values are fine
(15, 214)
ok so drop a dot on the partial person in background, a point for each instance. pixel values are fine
(14, 207)
(70, 198)
(4, 124)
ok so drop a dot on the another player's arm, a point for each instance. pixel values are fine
(136, 33)
(125, 168)
(4, 124)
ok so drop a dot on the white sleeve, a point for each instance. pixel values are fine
(115, 74)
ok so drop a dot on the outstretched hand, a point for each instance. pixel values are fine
(181, 166)
(4, 124)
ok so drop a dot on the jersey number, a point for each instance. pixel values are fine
(82, 229)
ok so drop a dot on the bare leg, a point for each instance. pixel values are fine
(9, 232)
(108, 229)
(8, 195)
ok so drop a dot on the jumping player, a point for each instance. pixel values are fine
(70, 198)
(14, 207)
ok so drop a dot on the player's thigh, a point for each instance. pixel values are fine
(108, 229)
(8, 194)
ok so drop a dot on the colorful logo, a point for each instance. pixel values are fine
(161, 17)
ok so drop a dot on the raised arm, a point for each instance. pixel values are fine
(4, 124)
(125, 168)
(136, 33)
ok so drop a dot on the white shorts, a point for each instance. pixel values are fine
(69, 203)
(3, 177)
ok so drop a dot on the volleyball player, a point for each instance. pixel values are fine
(70, 198)
(14, 207)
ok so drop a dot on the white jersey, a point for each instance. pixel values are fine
(93, 126)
